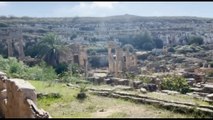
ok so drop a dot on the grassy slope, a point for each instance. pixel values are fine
(68, 106)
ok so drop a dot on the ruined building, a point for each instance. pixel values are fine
(121, 59)
(13, 39)
(76, 53)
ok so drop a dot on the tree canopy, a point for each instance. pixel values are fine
(195, 40)
(142, 41)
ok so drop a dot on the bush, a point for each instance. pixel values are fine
(176, 83)
(145, 79)
(195, 40)
(211, 63)
(60, 68)
(210, 74)
(3, 25)
(171, 49)
(82, 95)
(67, 77)
(18, 69)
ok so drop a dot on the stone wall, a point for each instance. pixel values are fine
(18, 99)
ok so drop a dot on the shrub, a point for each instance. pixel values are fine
(176, 83)
(171, 49)
(210, 74)
(145, 79)
(18, 69)
(211, 63)
(130, 75)
(3, 25)
(82, 94)
(60, 68)
(195, 40)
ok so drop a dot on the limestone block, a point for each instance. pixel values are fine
(208, 88)
(3, 107)
(210, 96)
(2, 73)
(18, 91)
(3, 94)
(123, 87)
(123, 82)
(143, 90)
(136, 84)
(169, 92)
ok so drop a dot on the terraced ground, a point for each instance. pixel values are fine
(68, 106)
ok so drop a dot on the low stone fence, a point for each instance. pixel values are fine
(18, 99)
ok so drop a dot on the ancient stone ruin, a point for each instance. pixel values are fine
(18, 99)
(76, 54)
(12, 37)
(121, 59)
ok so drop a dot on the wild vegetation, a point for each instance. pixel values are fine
(69, 106)
(175, 83)
(142, 41)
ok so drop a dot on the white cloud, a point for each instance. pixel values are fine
(87, 9)
(103, 4)
(3, 3)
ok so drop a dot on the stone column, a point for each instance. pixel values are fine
(21, 50)
(86, 68)
(118, 67)
(127, 59)
(110, 59)
(9, 47)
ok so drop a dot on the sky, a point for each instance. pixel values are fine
(102, 9)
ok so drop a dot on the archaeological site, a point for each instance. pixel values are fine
(57, 64)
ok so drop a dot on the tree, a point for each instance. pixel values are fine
(195, 40)
(49, 49)
(158, 43)
(148, 46)
(171, 49)
(128, 46)
(3, 25)
(141, 41)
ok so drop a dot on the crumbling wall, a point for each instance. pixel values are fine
(123, 60)
(18, 99)
(80, 52)
(14, 39)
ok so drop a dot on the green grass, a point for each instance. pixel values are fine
(117, 115)
(68, 106)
